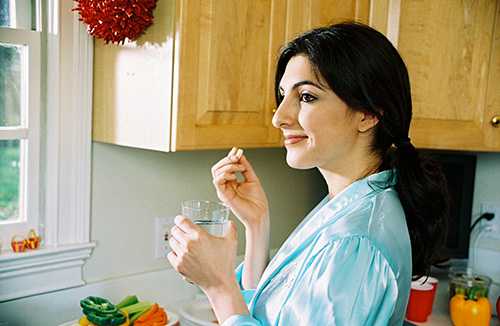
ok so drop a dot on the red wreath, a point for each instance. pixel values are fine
(116, 20)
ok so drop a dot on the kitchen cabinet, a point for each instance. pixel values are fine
(202, 76)
(452, 50)
(223, 75)
(302, 15)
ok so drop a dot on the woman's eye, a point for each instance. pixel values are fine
(307, 98)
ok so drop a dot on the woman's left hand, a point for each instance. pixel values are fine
(202, 258)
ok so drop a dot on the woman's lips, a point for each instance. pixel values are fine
(294, 139)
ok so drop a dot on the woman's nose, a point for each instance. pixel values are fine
(283, 116)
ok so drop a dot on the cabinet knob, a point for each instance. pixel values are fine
(274, 111)
(495, 121)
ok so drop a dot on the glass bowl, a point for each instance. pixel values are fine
(471, 285)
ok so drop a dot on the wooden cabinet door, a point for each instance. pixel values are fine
(452, 53)
(492, 128)
(302, 15)
(224, 61)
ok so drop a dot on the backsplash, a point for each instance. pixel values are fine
(130, 187)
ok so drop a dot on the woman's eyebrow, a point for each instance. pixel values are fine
(304, 82)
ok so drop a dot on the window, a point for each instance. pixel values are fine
(45, 142)
(20, 68)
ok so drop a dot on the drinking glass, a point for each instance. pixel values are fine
(210, 215)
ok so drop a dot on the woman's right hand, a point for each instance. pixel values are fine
(246, 198)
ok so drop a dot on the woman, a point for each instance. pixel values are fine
(344, 107)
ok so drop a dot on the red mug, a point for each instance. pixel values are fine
(422, 295)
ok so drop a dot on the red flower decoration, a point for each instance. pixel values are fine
(116, 20)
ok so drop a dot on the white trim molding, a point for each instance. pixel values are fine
(384, 16)
(51, 269)
(69, 125)
(393, 22)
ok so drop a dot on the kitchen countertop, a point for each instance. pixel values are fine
(440, 315)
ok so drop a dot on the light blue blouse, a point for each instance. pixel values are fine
(347, 263)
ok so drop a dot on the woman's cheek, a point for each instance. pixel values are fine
(303, 121)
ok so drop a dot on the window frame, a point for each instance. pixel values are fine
(65, 162)
(28, 131)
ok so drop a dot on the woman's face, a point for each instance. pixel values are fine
(318, 127)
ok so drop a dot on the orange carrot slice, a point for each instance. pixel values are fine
(148, 314)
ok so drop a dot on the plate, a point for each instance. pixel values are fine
(173, 320)
(197, 312)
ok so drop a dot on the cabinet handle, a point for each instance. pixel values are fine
(274, 111)
(495, 121)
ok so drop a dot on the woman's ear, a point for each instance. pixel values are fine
(367, 121)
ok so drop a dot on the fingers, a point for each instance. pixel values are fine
(222, 163)
(231, 168)
(248, 173)
(232, 152)
(190, 230)
(173, 260)
(232, 157)
(179, 236)
(176, 246)
(223, 178)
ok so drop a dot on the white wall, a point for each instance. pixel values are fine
(130, 187)
(487, 182)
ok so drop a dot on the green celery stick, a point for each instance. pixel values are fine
(127, 301)
(138, 314)
(137, 307)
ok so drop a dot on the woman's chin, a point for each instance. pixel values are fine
(296, 162)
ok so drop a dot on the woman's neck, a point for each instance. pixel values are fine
(339, 178)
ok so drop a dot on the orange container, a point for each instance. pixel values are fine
(18, 244)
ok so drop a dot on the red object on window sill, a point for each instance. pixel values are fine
(33, 240)
(18, 244)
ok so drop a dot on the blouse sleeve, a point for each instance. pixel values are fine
(349, 282)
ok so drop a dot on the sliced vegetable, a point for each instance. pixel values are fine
(148, 314)
(106, 320)
(127, 319)
(144, 305)
(84, 321)
(98, 304)
(156, 316)
(101, 312)
(138, 314)
(127, 301)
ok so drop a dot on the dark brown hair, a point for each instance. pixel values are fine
(363, 68)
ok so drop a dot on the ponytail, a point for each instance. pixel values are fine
(422, 190)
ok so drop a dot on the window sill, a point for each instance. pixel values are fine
(42, 270)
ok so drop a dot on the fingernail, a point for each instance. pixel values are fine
(239, 153)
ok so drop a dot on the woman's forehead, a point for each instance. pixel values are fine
(298, 69)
